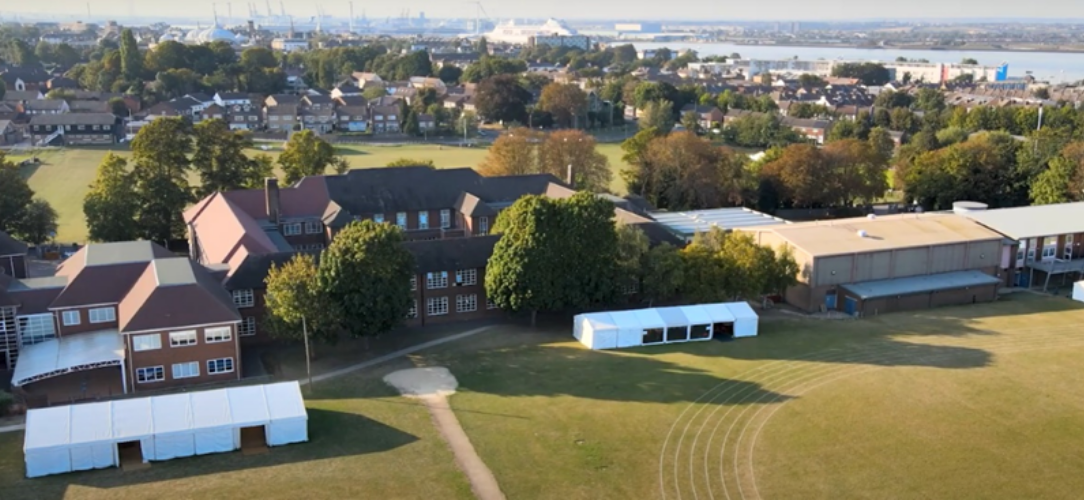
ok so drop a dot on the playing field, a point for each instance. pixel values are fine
(981, 401)
(65, 174)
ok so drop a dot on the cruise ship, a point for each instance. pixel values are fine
(510, 32)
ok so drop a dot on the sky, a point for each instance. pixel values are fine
(571, 9)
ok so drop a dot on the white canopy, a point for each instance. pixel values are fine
(617, 329)
(1078, 291)
(55, 357)
(81, 437)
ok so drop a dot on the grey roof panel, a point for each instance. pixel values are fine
(108, 254)
(1036, 221)
(38, 283)
(920, 284)
(173, 272)
(701, 221)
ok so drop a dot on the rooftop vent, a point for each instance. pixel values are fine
(871, 216)
(966, 207)
(862, 233)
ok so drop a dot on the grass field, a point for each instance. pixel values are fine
(65, 174)
(981, 401)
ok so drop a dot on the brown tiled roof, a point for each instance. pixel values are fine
(452, 253)
(103, 273)
(34, 301)
(222, 230)
(307, 198)
(174, 293)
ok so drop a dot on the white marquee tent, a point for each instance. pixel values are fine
(85, 436)
(1078, 291)
(619, 329)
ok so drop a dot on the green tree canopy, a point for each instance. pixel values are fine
(221, 161)
(305, 154)
(160, 167)
(111, 205)
(295, 300)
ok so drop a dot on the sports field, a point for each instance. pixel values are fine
(983, 401)
(63, 177)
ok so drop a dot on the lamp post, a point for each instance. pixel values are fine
(308, 355)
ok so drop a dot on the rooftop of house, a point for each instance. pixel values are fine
(74, 119)
(9, 245)
(22, 95)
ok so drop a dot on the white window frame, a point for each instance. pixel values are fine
(313, 227)
(212, 366)
(183, 338)
(66, 317)
(445, 219)
(401, 220)
(189, 369)
(146, 342)
(483, 225)
(102, 315)
(244, 298)
(217, 334)
(436, 306)
(436, 281)
(157, 374)
(414, 283)
(378, 218)
(466, 277)
(412, 313)
(247, 328)
(423, 220)
(291, 229)
(466, 303)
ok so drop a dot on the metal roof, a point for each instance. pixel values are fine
(701, 221)
(1037, 221)
(920, 284)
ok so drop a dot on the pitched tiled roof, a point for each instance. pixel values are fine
(74, 119)
(9, 245)
(453, 253)
(153, 303)
(223, 229)
(103, 273)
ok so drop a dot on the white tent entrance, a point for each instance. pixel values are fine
(666, 325)
(98, 435)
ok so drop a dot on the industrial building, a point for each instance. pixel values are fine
(874, 265)
(687, 224)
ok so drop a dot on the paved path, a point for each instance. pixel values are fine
(482, 482)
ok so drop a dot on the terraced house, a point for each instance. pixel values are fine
(118, 318)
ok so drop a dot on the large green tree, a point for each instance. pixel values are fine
(131, 60)
(38, 224)
(15, 195)
(305, 154)
(111, 205)
(502, 98)
(295, 300)
(220, 159)
(366, 272)
(160, 167)
(566, 102)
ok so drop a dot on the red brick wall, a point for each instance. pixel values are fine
(423, 294)
(84, 325)
(167, 355)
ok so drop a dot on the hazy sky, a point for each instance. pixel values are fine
(574, 9)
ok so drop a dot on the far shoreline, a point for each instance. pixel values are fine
(891, 47)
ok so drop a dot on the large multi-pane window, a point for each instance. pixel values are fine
(219, 334)
(186, 370)
(148, 342)
(412, 313)
(483, 225)
(247, 328)
(437, 306)
(400, 220)
(436, 280)
(223, 365)
(378, 218)
(445, 219)
(423, 220)
(292, 229)
(312, 227)
(150, 374)
(466, 303)
(102, 315)
(36, 328)
(244, 298)
(466, 277)
(70, 318)
(182, 339)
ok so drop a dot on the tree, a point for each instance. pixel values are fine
(38, 223)
(809, 80)
(658, 115)
(220, 158)
(1052, 185)
(868, 73)
(577, 150)
(160, 168)
(66, 56)
(411, 162)
(366, 273)
(131, 60)
(632, 249)
(450, 74)
(305, 154)
(929, 100)
(663, 274)
(554, 254)
(295, 300)
(44, 52)
(890, 99)
(373, 92)
(682, 171)
(111, 206)
(691, 121)
(969, 60)
(515, 152)
(566, 102)
(1041, 93)
(881, 141)
(15, 195)
(501, 98)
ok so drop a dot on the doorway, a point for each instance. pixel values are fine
(722, 331)
(253, 440)
(130, 456)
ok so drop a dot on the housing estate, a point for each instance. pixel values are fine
(74, 128)
(117, 318)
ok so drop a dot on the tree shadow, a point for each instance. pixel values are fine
(332, 434)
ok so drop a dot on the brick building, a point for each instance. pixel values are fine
(12, 257)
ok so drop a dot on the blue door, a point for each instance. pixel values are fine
(830, 301)
(1022, 279)
(850, 305)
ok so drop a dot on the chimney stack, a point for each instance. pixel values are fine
(271, 189)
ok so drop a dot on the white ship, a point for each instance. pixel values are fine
(510, 32)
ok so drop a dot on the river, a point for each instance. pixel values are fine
(1051, 66)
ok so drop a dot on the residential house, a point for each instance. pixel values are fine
(10, 112)
(280, 99)
(456, 59)
(295, 79)
(814, 130)
(464, 102)
(280, 118)
(426, 122)
(13, 263)
(8, 134)
(79, 106)
(350, 100)
(319, 120)
(28, 78)
(45, 107)
(426, 82)
(75, 128)
(226, 99)
(289, 44)
(118, 318)
(186, 106)
(345, 89)
(352, 118)
(386, 119)
(203, 102)
(20, 96)
(364, 79)
(213, 112)
(706, 116)
(243, 116)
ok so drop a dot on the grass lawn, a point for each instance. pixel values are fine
(65, 174)
(980, 401)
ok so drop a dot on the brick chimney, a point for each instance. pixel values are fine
(274, 208)
(193, 244)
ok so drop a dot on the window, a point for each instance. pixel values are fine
(147, 342)
(243, 298)
(182, 339)
(103, 315)
(219, 334)
(423, 220)
(150, 374)
(186, 370)
(413, 283)
(95, 127)
(445, 219)
(412, 313)
(466, 303)
(36, 328)
(400, 220)
(653, 336)
(223, 365)
(378, 218)
(293, 229)
(436, 280)
(483, 225)
(437, 306)
(466, 277)
(491, 305)
(71, 318)
(312, 228)
(247, 327)
(1049, 252)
